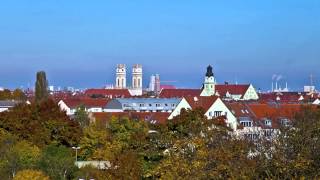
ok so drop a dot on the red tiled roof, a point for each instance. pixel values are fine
(285, 97)
(178, 93)
(222, 89)
(204, 102)
(158, 117)
(88, 102)
(240, 109)
(110, 93)
(275, 111)
(239, 89)
(167, 86)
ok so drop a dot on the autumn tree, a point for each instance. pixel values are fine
(5, 94)
(30, 175)
(295, 152)
(41, 123)
(41, 87)
(199, 148)
(18, 94)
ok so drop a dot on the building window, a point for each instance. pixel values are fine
(150, 105)
(267, 122)
(246, 124)
(285, 122)
(158, 105)
(173, 105)
(217, 113)
(141, 105)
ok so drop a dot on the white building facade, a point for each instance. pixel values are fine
(137, 84)
(121, 76)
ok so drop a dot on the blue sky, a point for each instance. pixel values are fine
(79, 42)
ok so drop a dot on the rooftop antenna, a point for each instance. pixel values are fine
(311, 80)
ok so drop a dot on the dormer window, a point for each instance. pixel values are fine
(284, 122)
(246, 122)
(267, 122)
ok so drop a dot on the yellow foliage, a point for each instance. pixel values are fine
(30, 175)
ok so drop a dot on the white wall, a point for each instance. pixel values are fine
(219, 105)
(183, 104)
(3, 109)
(251, 94)
(316, 102)
(135, 92)
(64, 107)
(95, 109)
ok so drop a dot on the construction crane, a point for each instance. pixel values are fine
(168, 81)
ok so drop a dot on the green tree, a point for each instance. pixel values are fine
(41, 87)
(17, 155)
(81, 116)
(94, 138)
(58, 162)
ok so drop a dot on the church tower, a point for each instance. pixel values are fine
(137, 76)
(136, 89)
(121, 79)
(209, 83)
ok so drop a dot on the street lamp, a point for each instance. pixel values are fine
(76, 148)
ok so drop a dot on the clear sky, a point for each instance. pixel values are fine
(79, 42)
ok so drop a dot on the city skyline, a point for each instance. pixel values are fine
(276, 81)
(78, 44)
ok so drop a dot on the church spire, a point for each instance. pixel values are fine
(209, 83)
(209, 71)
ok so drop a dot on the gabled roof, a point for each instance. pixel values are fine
(178, 93)
(87, 102)
(240, 109)
(114, 93)
(235, 89)
(204, 102)
(275, 110)
(287, 97)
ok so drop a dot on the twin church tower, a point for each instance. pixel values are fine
(136, 88)
(121, 78)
